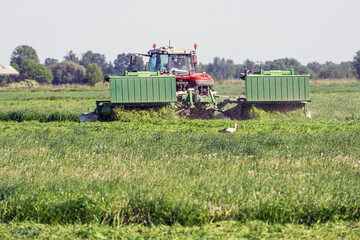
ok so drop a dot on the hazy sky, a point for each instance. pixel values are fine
(259, 30)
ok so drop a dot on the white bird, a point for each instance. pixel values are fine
(229, 130)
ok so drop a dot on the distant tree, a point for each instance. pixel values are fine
(278, 64)
(93, 75)
(16, 66)
(93, 58)
(23, 53)
(50, 61)
(330, 70)
(285, 64)
(250, 65)
(109, 69)
(67, 72)
(36, 71)
(200, 68)
(122, 64)
(347, 70)
(239, 69)
(86, 58)
(356, 63)
(99, 59)
(314, 69)
(71, 57)
(221, 69)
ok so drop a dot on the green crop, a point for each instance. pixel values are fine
(151, 167)
(180, 171)
(219, 230)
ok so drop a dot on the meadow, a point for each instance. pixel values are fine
(169, 177)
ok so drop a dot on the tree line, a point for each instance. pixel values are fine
(89, 69)
(221, 69)
(92, 67)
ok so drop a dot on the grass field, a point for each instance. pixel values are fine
(286, 178)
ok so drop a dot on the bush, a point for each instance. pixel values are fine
(5, 80)
(67, 72)
(36, 71)
(93, 75)
(27, 83)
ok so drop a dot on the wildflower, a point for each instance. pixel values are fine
(229, 191)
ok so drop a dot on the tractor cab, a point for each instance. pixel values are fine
(181, 63)
(173, 61)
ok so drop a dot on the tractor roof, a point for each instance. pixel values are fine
(171, 50)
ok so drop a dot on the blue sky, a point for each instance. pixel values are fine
(258, 30)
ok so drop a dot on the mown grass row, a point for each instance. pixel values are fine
(67, 104)
(181, 171)
(43, 110)
(57, 88)
(324, 106)
(26, 96)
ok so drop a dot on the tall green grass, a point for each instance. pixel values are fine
(219, 230)
(151, 167)
(181, 171)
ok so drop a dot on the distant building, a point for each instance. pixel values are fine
(8, 70)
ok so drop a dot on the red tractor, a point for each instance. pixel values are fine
(181, 63)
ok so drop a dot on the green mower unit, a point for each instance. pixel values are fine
(273, 90)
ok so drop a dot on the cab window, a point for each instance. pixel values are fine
(162, 63)
(152, 63)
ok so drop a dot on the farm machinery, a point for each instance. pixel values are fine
(171, 79)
